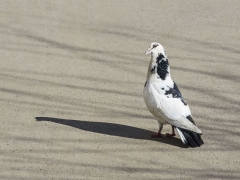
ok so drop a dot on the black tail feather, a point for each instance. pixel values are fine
(192, 139)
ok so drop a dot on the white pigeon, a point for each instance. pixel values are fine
(165, 101)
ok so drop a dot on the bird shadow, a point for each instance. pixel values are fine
(113, 129)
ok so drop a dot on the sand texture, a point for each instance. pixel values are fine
(72, 76)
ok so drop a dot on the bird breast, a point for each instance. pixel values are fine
(154, 102)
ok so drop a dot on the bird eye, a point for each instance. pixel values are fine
(155, 45)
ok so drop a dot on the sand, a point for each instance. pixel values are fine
(72, 76)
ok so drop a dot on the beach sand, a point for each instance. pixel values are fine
(72, 76)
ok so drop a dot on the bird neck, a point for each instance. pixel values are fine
(158, 67)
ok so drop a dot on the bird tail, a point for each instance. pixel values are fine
(189, 138)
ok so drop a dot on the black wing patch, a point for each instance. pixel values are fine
(189, 117)
(175, 92)
(175, 87)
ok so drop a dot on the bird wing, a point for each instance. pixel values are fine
(171, 104)
(184, 123)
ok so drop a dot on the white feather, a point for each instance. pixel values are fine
(165, 108)
(181, 136)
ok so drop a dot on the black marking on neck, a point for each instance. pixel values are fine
(153, 69)
(176, 93)
(162, 66)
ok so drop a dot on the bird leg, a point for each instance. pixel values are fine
(173, 133)
(158, 134)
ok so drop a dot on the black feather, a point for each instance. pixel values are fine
(162, 66)
(191, 119)
(193, 139)
(175, 92)
(176, 89)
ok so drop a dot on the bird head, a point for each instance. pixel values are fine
(156, 49)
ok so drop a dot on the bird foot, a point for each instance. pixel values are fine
(170, 135)
(156, 135)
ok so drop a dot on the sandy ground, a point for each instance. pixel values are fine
(80, 67)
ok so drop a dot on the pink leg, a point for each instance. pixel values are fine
(158, 134)
(173, 133)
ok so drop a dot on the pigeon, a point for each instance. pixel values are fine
(165, 101)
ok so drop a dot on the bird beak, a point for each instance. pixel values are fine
(148, 51)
